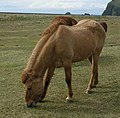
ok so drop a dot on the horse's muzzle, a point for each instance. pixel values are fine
(31, 105)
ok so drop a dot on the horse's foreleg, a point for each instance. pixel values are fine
(49, 75)
(68, 77)
(94, 73)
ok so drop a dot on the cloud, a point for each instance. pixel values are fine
(64, 4)
(56, 4)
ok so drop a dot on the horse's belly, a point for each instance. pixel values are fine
(82, 54)
(83, 48)
(80, 57)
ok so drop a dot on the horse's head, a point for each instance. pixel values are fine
(34, 89)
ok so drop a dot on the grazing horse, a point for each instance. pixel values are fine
(67, 44)
(59, 20)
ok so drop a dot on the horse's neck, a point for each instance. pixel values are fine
(44, 59)
(36, 52)
(41, 43)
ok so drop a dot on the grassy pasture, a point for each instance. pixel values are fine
(18, 36)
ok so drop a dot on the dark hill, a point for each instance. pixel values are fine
(113, 8)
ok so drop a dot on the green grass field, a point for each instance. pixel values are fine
(18, 36)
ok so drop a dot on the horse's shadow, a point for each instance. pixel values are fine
(83, 106)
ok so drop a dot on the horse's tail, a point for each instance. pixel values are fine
(104, 25)
(39, 46)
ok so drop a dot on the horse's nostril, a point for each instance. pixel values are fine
(31, 105)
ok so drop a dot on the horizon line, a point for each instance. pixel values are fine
(15, 12)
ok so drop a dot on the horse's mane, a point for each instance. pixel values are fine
(35, 53)
(61, 20)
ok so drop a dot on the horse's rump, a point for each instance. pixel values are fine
(87, 23)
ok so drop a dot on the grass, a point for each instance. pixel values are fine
(18, 36)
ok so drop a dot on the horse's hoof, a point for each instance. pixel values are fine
(68, 100)
(88, 91)
(94, 86)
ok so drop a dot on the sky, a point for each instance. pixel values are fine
(95, 7)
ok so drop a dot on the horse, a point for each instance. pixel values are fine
(59, 20)
(66, 45)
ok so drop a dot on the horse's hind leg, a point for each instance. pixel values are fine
(94, 73)
(90, 59)
(95, 82)
(68, 74)
(50, 73)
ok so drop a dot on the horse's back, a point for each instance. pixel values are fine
(79, 41)
(85, 30)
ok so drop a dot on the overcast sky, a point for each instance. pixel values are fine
(54, 6)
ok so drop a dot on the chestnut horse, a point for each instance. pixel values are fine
(66, 44)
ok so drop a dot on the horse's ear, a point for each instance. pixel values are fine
(25, 77)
